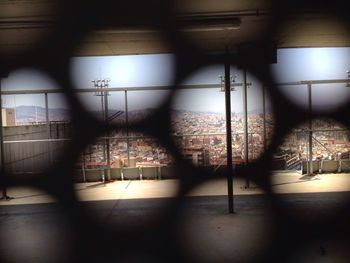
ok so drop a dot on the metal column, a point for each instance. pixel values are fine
(310, 170)
(228, 134)
(48, 132)
(127, 126)
(245, 116)
(2, 157)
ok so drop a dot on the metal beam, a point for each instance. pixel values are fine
(321, 130)
(199, 86)
(306, 82)
(39, 140)
(43, 91)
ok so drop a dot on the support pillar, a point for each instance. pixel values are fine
(245, 124)
(228, 133)
(48, 130)
(3, 178)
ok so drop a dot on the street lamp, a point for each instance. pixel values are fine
(232, 81)
(101, 90)
(348, 83)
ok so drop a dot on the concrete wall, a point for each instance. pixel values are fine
(131, 173)
(329, 166)
(33, 157)
(345, 166)
(168, 172)
(93, 175)
(150, 172)
(116, 173)
(315, 167)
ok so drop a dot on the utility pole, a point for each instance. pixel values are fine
(127, 126)
(310, 170)
(103, 93)
(107, 142)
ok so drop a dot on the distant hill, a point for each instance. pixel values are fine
(255, 111)
(35, 113)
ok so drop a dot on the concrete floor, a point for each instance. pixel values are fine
(32, 224)
(282, 183)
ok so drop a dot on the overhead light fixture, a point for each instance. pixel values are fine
(213, 22)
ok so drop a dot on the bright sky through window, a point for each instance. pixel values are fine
(158, 70)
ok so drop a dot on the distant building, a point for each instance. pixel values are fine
(8, 117)
(198, 155)
(132, 162)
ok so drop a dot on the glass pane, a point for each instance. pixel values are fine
(199, 125)
(23, 109)
(59, 110)
(329, 96)
(306, 64)
(125, 73)
(31, 143)
(142, 103)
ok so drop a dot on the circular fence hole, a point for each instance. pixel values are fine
(133, 184)
(317, 189)
(36, 122)
(132, 84)
(199, 119)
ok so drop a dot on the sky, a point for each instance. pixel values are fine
(213, 100)
(158, 70)
(314, 64)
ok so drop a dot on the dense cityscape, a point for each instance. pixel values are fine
(202, 139)
(201, 136)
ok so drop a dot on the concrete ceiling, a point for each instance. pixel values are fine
(23, 25)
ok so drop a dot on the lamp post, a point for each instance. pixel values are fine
(348, 83)
(311, 170)
(103, 93)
